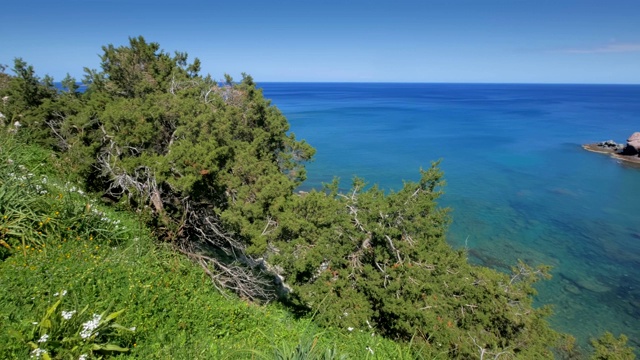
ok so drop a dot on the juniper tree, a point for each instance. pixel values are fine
(213, 162)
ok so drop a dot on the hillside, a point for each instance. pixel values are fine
(193, 224)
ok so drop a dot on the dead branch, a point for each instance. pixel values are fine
(55, 126)
(270, 223)
(393, 249)
(234, 277)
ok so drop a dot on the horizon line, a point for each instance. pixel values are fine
(444, 83)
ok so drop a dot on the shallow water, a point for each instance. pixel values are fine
(519, 184)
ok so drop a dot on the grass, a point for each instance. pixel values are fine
(81, 280)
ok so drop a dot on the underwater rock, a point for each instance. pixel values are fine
(593, 285)
(572, 289)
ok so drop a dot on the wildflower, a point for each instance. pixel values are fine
(35, 323)
(68, 314)
(83, 357)
(64, 292)
(350, 328)
(89, 326)
(36, 353)
(370, 350)
(133, 328)
(44, 338)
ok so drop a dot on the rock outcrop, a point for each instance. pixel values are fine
(629, 152)
(633, 145)
(610, 145)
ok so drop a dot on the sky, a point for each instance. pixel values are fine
(468, 41)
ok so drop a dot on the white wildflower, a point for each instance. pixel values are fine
(44, 338)
(36, 353)
(64, 292)
(370, 350)
(35, 323)
(83, 357)
(133, 328)
(350, 328)
(17, 124)
(89, 326)
(345, 313)
(68, 314)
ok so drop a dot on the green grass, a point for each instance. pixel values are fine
(56, 240)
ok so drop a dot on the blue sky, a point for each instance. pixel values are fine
(512, 41)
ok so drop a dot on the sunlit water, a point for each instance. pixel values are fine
(519, 184)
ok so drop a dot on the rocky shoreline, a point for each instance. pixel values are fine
(629, 152)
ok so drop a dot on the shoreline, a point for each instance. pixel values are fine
(627, 159)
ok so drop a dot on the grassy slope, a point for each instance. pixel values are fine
(57, 239)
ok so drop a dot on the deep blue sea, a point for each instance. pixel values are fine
(518, 181)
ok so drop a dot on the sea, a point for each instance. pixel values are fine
(519, 184)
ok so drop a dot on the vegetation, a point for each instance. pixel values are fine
(210, 169)
(59, 280)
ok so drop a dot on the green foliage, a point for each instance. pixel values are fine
(149, 127)
(33, 207)
(25, 102)
(380, 263)
(62, 334)
(305, 349)
(608, 347)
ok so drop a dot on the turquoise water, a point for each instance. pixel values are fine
(519, 184)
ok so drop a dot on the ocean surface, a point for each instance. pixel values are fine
(518, 181)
